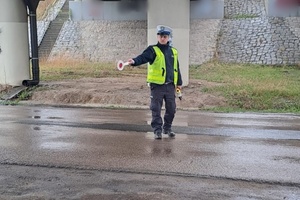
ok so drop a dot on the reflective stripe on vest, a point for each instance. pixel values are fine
(157, 71)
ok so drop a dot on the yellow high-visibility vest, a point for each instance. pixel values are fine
(157, 71)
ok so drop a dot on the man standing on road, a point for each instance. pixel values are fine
(164, 77)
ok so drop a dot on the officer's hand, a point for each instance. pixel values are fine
(130, 61)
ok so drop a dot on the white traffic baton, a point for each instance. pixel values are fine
(121, 65)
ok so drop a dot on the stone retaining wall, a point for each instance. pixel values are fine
(245, 35)
(235, 8)
(100, 41)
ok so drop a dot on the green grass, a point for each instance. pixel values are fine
(244, 16)
(250, 87)
(24, 95)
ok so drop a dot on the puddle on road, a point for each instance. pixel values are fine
(55, 118)
(40, 117)
(292, 143)
(56, 145)
(36, 128)
(264, 121)
(35, 117)
(150, 135)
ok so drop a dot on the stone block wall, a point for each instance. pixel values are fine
(234, 8)
(258, 40)
(100, 41)
(245, 35)
(203, 40)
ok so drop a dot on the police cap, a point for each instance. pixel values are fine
(163, 30)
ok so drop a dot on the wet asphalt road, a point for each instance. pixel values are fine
(216, 151)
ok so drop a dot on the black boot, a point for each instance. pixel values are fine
(157, 135)
(169, 132)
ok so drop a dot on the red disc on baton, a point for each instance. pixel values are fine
(120, 65)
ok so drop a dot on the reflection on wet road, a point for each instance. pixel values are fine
(253, 147)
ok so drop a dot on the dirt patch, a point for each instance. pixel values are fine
(124, 91)
(4, 88)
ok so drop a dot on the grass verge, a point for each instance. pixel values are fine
(249, 87)
(24, 95)
(66, 70)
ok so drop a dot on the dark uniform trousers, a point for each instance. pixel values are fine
(160, 93)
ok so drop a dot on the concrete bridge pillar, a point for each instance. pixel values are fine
(14, 45)
(175, 14)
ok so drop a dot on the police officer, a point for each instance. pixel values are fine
(164, 77)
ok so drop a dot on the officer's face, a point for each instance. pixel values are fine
(163, 39)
